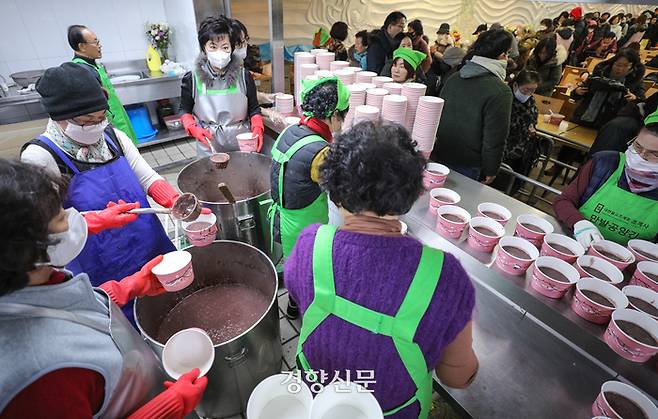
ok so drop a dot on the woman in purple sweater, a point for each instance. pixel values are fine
(372, 298)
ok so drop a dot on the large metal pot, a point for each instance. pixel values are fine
(240, 364)
(248, 177)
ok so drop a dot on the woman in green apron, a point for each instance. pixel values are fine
(296, 157)
(379, 308)
(218, 97)
(615, 195)
(85, 359)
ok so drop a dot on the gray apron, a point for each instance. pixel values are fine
(141, 376)
(223, 110)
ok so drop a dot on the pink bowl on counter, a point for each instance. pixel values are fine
(534, 237)
(608, 269)
(494, 211)
(435, 175)
(515, 263)
(547, 285)
(202, 231)
(451, 228)
(175, 271)
(626, 346)
(553, 242)
(601, 406)
(247, 142)
(642, 276)
(646, 296)
(482, 242)
(649, 250)
(605, 249)
(591, 310)
(443, 196)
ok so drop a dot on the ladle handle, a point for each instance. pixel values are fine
(227, 192)
(150, 211)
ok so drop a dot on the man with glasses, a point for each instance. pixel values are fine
(615, 195)
(88, 49)
(383, 42)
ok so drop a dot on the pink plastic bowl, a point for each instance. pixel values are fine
(533, 237)
(451, 229)
(611, 271)
(548, 286)
(612, 247)
(641, 275)
(481, 242)
(602, 408)
(247, 142)
(503, 214)
(511, 264)
(202, 231)
(644, 246)
(175, 271)
(553, 239)
(435, 175)
(591, 310)
(626, 346)
(443, 196)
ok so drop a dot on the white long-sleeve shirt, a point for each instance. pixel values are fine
(41, 157)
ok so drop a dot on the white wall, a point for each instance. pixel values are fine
(33, 32)
(181, 18)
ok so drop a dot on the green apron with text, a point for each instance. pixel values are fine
(621, 215)
(293, 221)
(401, 328)
(116, 113)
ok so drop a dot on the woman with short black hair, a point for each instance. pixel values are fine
(544, 61)
(335, 44)
(218, 97)
(406, 65)
(359, 51)
(85, 359)
(374, 174)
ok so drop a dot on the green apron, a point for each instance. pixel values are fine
(116, 113)
(401, 327)
(621, 215)
(293, 221)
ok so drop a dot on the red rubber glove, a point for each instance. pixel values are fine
(114, 216)
(202, 135)
(163, 193)
(189, 388)
(258, 129)
(138, 284)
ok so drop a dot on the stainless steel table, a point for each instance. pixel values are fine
(537, 358)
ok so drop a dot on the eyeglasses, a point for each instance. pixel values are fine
(96, 42)
(648, 155)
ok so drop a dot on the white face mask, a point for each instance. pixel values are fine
(642, 176)
(219, 59)
(240, 53)
(87, 135)
(70, 243)
(520, 96)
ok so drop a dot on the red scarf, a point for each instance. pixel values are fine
(318, 127)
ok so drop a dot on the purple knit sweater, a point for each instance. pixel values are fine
(375, 272)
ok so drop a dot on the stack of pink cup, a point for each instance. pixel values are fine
(338, 65)
(451, 221)
(393, 88)
(316, 51)
(375, 97)
(346, 76)
(428, 114)
(365, 76)
(324, 73)
(357, 98)
(312, 77)
(379, 81)
(305, 68)
(355, 69)
(324, 59)
(284, 103)
(413, 92)
(366, 113)
(394, 108)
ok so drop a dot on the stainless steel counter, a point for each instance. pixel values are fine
(538, 358)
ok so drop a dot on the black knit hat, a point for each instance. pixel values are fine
(70, 90)
(444, 29)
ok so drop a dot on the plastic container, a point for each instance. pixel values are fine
(280, 396)
(141, 123)
(186, 350)
(549, 286)
(591, 310)
(247, 142)
(175, 271)
(511, 263)
(202, 231)
(627, 346)
(482, 242)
